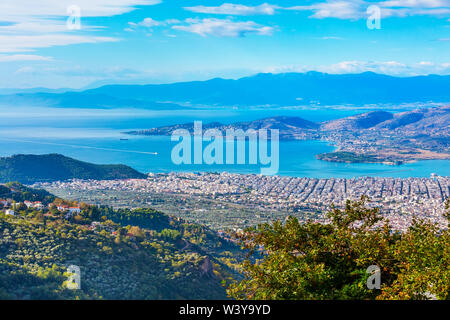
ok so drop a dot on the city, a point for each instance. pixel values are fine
(400, 200)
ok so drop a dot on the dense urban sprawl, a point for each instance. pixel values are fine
(399, 199)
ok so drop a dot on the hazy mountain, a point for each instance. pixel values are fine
(283, 89)
(427, 119)
(280, 123)
(286, 126)
(7, 91)
(27, 168)
(82, 100)
(421, 121)
(360, 121)
(292, 89)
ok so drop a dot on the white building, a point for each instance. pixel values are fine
(38, 205)
(74, 210)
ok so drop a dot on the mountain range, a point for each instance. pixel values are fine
(265, 89)
(437, 118)
(376, 136)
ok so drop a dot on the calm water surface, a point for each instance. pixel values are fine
(95, 136)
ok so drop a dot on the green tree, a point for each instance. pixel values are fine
(329, 261)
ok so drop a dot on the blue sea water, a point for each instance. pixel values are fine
(95, 136)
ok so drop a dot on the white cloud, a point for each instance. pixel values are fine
(21, 43)
(147, 22)
(415, 3)
(23, 57)
(236, 9)
(150, 23)
(394, 68)
(31, 24)
(223, 27)
(356, 9)
(341, 9)
(26, 69)
(14, 10)
(333, 9)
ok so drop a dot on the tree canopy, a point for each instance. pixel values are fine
(329, 261)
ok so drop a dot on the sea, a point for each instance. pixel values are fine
(97, 136)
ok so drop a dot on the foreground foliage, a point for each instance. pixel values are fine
(329, 261)
(122, 254)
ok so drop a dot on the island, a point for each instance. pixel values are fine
(371, 137)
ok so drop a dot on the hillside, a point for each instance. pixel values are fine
(361, 121)
(18, 192)
(415, 120)
(421, 119)
(437, 118)
(287, 126)
(125, 254)
(264, 89)
(51, 167)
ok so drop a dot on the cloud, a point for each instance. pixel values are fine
(356, 9)
(340, 9)
(223, 27)
(21, 43)
(236, 9)
(26, 69)
(23, 57)
(394, 68)
(149, 23)
(333, 9)
(29, 24)
(14, 10)
(416, 3)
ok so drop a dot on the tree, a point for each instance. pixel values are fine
(329, 261)
(136, 232)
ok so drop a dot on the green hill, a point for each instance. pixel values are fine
(18, 192)
(125, 254)
(27, 168)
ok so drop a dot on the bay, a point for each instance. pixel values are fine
(97, 136)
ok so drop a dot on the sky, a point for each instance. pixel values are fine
(86, 43)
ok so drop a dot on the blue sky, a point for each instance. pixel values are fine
(158, 41)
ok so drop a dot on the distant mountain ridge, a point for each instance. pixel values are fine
(82, 100)
(264, 89)
(437, 117)
(284, 124)
(360, 121)
(375, 136)
(286, 89)
(28, 168)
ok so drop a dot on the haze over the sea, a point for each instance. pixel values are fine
(95, 136)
